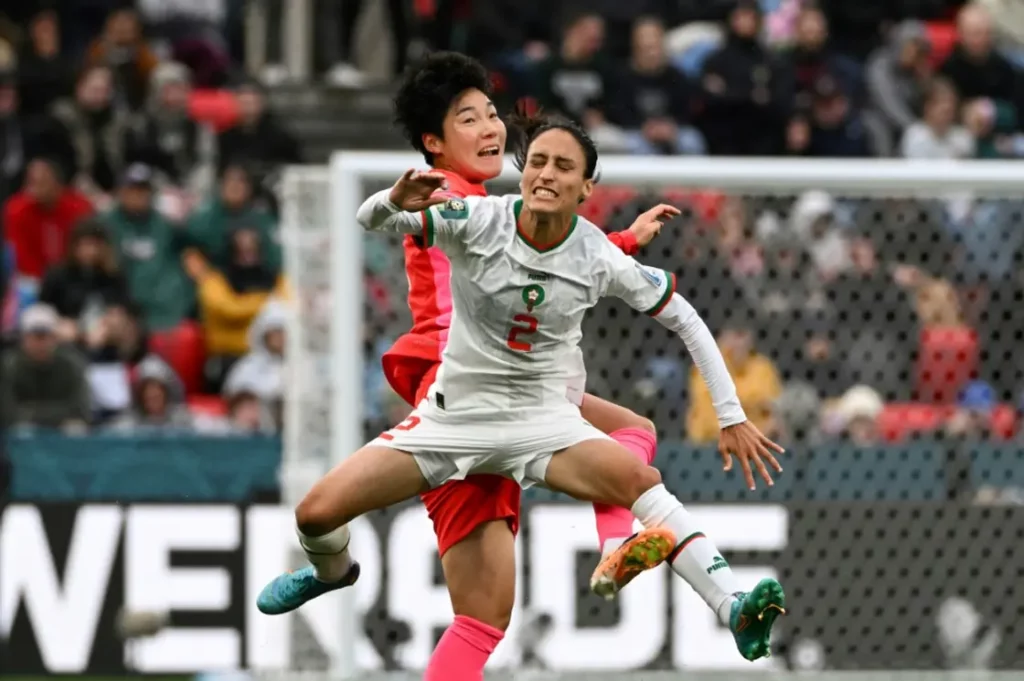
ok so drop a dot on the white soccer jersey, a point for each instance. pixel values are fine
(513, 345)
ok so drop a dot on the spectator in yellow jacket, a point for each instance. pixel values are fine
(757, 384)
(230, 299)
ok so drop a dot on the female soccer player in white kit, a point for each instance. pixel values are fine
(524, 272)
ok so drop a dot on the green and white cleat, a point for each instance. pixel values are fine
(752, 617)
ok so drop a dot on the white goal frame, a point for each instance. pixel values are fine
(349, 170)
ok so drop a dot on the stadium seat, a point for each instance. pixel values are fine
(705, 203)
(207, 405)
(942, 36)
(184, 350)
(947, 359)
(603, 202)
(900, 420)
(217, 108)
(1003, 422)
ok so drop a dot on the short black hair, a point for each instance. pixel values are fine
(528, 127)
(428, 90)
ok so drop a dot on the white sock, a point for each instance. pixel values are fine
(328, 553)
(695, 558)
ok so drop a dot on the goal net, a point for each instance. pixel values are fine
(871, 314)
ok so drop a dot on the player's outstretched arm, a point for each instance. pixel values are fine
(643, 230)
(402, 207)
(653, 292)
(738, 437)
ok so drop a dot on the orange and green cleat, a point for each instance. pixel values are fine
(753, 615)
(641, 552)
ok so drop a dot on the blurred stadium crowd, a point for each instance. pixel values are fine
(138, 166)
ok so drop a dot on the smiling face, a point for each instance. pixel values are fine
(474, 138)
(553, 179)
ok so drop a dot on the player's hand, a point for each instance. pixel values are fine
(415, 190)
(752, 448)
(648, 224)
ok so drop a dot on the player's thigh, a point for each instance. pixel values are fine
(609, 417)
(374, 477)
(600, 470)
(480, 572)
(458, 507)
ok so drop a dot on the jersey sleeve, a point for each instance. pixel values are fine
(443, 223)
(643, 288)
(624, 241)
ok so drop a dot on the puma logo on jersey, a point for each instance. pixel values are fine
(653, 276)
(454, 209)
(537, 276)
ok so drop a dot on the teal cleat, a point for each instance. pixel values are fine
(292, 589)
(752, 617)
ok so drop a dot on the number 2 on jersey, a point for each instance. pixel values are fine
(525, 325)
(405, 425)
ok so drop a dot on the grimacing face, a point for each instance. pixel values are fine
(553, 181)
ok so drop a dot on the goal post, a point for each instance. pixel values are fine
(324, 260)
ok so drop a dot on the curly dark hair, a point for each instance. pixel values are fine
(428, 90)
(526, 127)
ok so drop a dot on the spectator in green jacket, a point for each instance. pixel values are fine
(150, 248)
(44, 384)
(232, 208)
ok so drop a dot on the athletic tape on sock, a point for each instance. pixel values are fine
(330, 544)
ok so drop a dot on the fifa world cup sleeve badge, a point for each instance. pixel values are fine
(454, 209)
(533, 296)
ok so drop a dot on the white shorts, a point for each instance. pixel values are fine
(517, 450)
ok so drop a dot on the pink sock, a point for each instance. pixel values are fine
(614, 522)
(462, 652)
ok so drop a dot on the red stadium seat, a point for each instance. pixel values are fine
(947, 359)
(942, 36)
(184, 349)
(901, 420)
(208, 405)
(603, 202)
(1003, 422)
(217, 108)
(898, 421)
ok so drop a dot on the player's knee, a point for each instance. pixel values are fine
(494, 611)
(641, 479)
(313, 516)
(646, 424)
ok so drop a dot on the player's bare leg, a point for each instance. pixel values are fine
(374, 477)
(481, 575)
(602, 471)
(624, 553)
